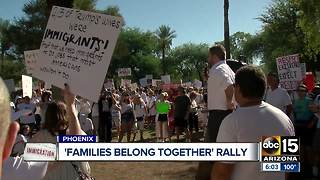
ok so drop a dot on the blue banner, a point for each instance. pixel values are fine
(77, 139)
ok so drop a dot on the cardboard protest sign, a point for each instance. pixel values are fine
(143, 82)
(166, 79)
(10, 85)
(122, 72)
(289, 71)
(125, 82)
(27, 86)
(76, 48)
(31, 60)
(109, 84)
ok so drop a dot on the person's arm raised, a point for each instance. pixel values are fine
(74, 124)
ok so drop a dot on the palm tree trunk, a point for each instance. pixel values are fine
(163, 61)
(226, 28)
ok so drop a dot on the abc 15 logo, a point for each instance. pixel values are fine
(280, 145)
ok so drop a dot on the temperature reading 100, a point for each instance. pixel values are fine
(289, 166)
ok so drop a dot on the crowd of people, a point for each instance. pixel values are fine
(235, 107)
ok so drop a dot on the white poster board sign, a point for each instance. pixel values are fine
(27, 86)
(289, 71)
(125, 82)
(166, 79)
(134, 86)
(76, 48)
(109, 84)
(156, 82)
(10, 85)
(122, 72)
(197, 84)
(143, 82)
(31, 60)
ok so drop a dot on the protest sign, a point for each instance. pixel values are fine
(289, 71)
(76, 48)
(156, 82)
(143, 82)
(109, 84)
(125, 82)
(10, 85)
(134, 86)
(122, 72)
(27, 86)
(166, 79)
(169, 86)
(31, 60)
(197, 84)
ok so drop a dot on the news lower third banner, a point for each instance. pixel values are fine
(142, 152)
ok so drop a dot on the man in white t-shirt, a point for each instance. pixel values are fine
(220, 99)
(248, 123)
(220, 91)
(277, 96)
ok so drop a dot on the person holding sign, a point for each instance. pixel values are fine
(61, 119)
(162, 108)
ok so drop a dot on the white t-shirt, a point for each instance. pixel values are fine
(249, 124)
(220, 77)
(29, 118)
(278, 98)
(139, 110)
(15, 168)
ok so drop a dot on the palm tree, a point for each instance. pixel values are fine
(226, 28)
(165, 36)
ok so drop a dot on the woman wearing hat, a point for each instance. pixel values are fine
(162, 108)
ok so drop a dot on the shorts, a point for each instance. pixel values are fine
(127, 117)
(163, 117)
(139, 124)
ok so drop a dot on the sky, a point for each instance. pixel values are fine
(195, 21)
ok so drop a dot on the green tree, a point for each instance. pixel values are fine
(309, 21)
(187, 61)
(165, 37)
(87, 5)
(135, 49)
(279, 36)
